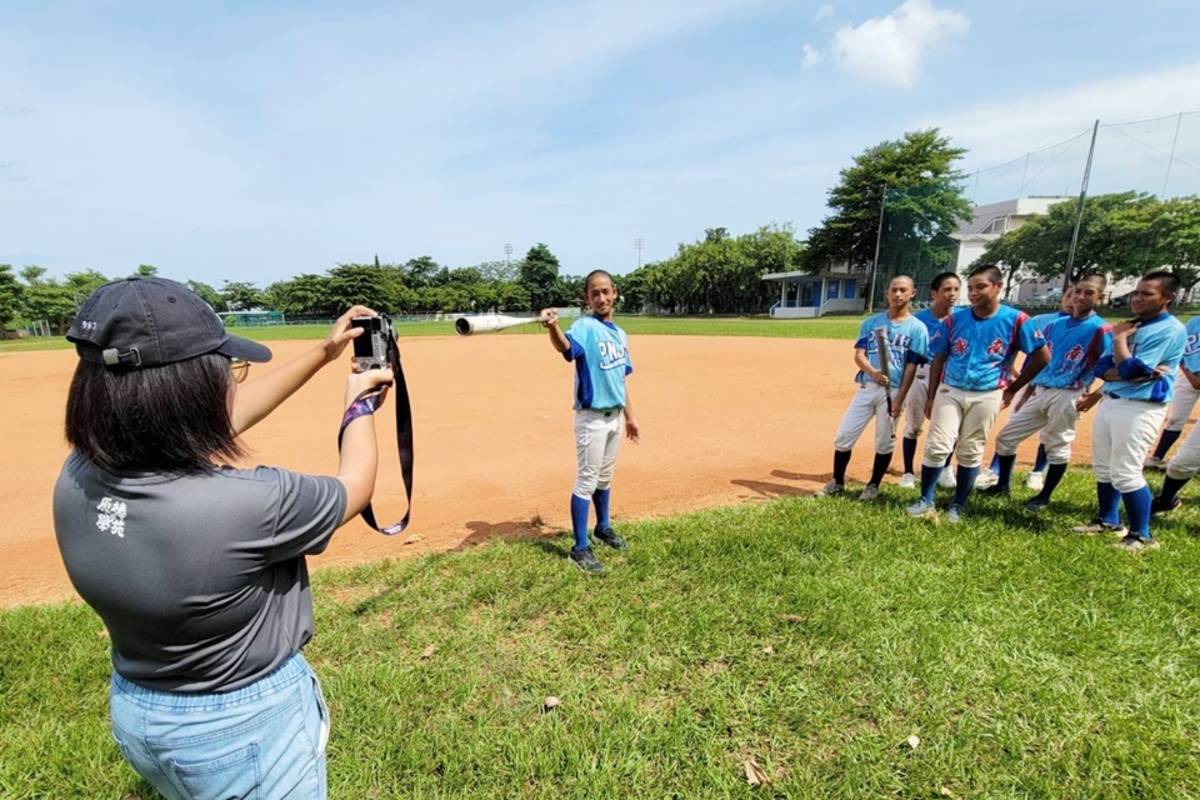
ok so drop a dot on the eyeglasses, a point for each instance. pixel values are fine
(239, 369)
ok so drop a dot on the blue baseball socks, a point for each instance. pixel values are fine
(1040, 463)
(1110, 504)
(579, 521)
(1054, 475)
(966, 482)
(600, 499)
(1137, 508)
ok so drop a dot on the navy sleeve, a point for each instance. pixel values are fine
(913, 357)
(575, 352)
(310, 509)
(1133, 368)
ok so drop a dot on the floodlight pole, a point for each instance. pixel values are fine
(878, 240)
(1087, 172)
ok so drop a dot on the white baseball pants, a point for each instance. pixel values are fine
(1181, 407)
(1122, 435)
(914, 404)
(1186, 462)
(1051, 414)
(964, 417)
(870, 401)
(597, 442)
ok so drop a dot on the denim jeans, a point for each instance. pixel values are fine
(264, 741)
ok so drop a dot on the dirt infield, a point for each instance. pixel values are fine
(724, 420)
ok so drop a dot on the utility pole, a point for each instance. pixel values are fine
(1171, 159)
(638, 244)
(1087, 173)
(878, 241)
(508, 254)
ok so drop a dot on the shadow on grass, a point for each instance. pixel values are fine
(512, 530)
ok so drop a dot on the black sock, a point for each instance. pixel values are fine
(1004, 471)
(1167, 439)
(909, 447)
(1170, 490)
(880, 468)
(841, 459)
(1054, 474)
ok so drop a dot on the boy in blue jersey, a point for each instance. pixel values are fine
(1187, 392)
(1049, 408)
(1139, 378)
(988, 476)
(970, 381)
(1186, 463)
(907, 347)
(601, 355)
(943, 295)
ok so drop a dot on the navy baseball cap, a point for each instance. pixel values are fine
(147, 322)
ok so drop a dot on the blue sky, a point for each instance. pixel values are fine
(258, 140)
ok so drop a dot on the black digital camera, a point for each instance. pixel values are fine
(371, 347)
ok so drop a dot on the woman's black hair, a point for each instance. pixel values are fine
(170, 418)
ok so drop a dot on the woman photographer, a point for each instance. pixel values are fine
(198, 569)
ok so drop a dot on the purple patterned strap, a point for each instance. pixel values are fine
(364, 405)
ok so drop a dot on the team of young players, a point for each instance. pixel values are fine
(956, 369)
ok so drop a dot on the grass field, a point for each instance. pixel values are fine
(814, 636)
(825, 328)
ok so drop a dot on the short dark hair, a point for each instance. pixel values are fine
(1170, 284)
(941, 278)
(908, 278)
(992, 272)
(169, 418)
(587, 282)
(1095, 277)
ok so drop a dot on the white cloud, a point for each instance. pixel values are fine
(812, 56)
(824, 12)
(890, 49)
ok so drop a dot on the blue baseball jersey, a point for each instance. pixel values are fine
(980, 352)
(1042, 322)
(1156, 342)
(1076, 346)
(907, 343)
(600, 351)
(933, 325)
(1191, 353)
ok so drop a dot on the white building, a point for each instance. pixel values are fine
(993, 220)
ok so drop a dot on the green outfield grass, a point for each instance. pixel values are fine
(815, 636)
(825, 328)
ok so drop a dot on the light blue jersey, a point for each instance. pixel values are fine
(1076, 346)
(1191, 353)
(980, 352)
(933, 324)
(1042, 322)
(907, 343)
(1156, 342)
(601, 354)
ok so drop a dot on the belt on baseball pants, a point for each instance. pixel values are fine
(1135, 399)
(607, 412)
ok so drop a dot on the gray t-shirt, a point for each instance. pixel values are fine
(200, 579)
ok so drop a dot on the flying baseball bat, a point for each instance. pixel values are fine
(488, 323)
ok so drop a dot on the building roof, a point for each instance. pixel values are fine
(985, 214)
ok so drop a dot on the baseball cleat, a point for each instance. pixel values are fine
(908, 480)
(986, 479)
(1158, 507)
(1156, 463)
(1036, 481)
(1136, 545)
(922, 508)
(871, 492)
(947, 480)
(1097, 527)
(954, 515)
(610, 538)
(587, 561)
(1035, 504)
(832, 488)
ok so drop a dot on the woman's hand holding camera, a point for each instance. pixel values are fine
(342, 332)
(366, 381)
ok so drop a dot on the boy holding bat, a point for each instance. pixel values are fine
(890, 345)
(600, 352)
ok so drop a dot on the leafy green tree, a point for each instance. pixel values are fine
(303, 295)
(32, 274)
(1158, 235)
(465, 275)
(420, 271)
(11, 297)
(241, 295)
(145, 271)
(208, 294)
(924, 195)
(377, 287)
(497, 271)
(51, 301)
(538, 273)
(512, 296)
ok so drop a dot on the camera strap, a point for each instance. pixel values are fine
(368, 403)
